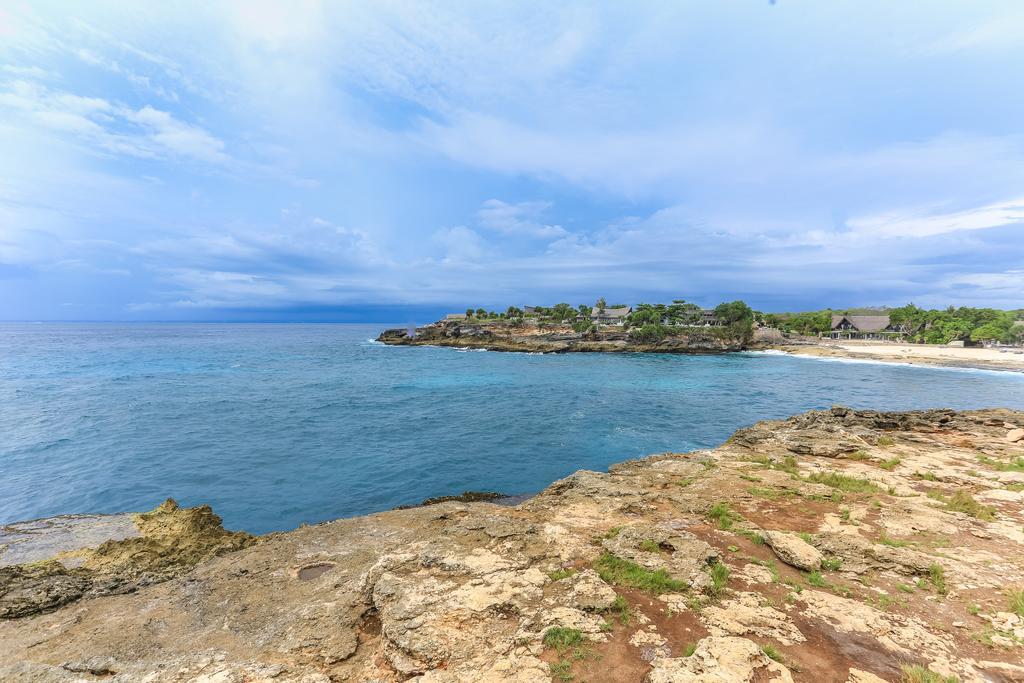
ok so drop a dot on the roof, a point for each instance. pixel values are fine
(863, 323)
(455, 316)
(621, 312)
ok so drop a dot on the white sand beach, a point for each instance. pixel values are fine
(914, 354)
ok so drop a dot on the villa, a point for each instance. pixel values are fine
(611, 316)
(864, 327)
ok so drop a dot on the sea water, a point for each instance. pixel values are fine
(278, 425)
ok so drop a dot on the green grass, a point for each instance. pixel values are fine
(927, 476)
(1015, 465)
(920, 674)
(771, 653)
(750, 477)
(613, 532)
(892, 542)
(806, 537)
(859, 455)
(561, 670)
(723, 516)
(1017, 602)
(961, 501)
(620, 572)
(902, 587)
(937, 575)
(753, 537)
(832, 563)
(843, 482)
(816, 579)
(769, 492)
(689, 649)
(889, 464)
(650, 546)
(719, 579)
(886, 441)
(559, 574)
(787, 464)
(561, 638)
(619, 609)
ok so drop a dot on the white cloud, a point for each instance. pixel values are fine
(518, 219)
(927, 221)
(113, 128)
(461, 244)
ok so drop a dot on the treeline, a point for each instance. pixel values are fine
(928, 326)
(647, 322)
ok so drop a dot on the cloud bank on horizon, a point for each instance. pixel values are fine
(197, 160)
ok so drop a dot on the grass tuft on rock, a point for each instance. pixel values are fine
(562, 638)
(920, 674)
(719, 579)
(723, 516)
(937, 575)
(844, 482)
(620, 572)
(961, 501)
(1017, 602)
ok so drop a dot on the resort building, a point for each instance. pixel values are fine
(864, 327)
(611, 316)
(709, 319)
(455, 316)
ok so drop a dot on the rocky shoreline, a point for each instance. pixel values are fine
(503, 337)
(837, 545)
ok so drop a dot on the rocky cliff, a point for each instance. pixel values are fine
(836, 545)
(504, 337)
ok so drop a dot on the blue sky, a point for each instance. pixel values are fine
(307, 160)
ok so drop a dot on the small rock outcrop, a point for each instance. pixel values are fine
(793, 550)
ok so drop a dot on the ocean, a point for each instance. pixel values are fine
(283, 424)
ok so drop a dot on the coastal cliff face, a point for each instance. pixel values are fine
(836, 545)
(501, 337)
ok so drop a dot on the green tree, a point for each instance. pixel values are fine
(481, 313)
(513, 312)
(601, 305)
(469, 312)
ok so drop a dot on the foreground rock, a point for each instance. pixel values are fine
(837, 545)
(495, 336)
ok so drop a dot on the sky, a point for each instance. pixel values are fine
(380, 160)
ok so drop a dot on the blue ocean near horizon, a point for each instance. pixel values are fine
(276, 425)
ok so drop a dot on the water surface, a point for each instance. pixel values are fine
(276, 425)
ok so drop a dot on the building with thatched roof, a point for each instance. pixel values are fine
(865, 327)
(610, 316)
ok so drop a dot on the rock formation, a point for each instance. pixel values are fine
(837, 545)
(561, 339)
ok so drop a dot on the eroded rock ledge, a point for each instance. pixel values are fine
(502, 337)
(837, 545)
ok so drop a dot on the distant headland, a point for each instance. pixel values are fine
(685, 327)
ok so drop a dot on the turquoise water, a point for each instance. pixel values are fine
(276, 425)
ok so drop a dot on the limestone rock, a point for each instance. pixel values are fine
(750, 614)
(793, 550)
(1015, 435)
(590, 593)
(720, 659)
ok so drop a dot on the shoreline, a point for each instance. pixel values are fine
(713, 541)
(968, 358)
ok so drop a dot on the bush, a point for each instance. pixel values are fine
(650, 333)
